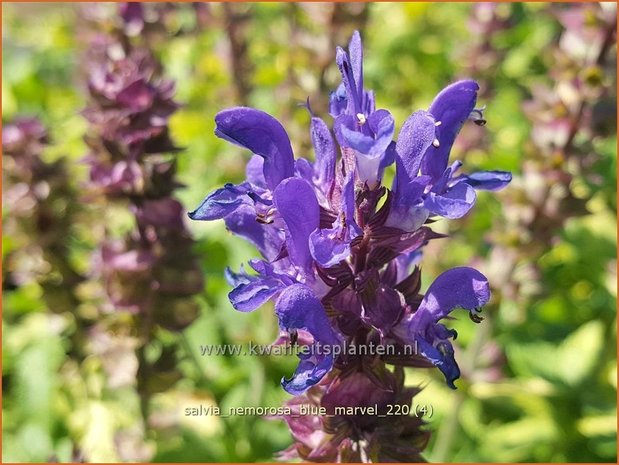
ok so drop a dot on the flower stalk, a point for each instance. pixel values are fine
(151, 273)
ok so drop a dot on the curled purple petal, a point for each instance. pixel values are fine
(248, 296)
(263, 135)
(298, 308)
(308, 373)
(461, 287)
(442, 357)
(221, 203)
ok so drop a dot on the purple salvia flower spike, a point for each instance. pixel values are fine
(451, 107)
(339, 247)
(263, 135)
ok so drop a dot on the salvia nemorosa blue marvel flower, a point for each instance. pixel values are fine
(336, 263)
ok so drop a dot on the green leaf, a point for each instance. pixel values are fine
(578, 354)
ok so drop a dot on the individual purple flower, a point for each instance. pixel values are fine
(298, 308)
(462, 287)
(358, 126)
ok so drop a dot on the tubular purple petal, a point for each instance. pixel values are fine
(326, 155)
(451, 107)
(353, 99)
(296, 202)
(355, 50)
(416, 136)
(298, 308)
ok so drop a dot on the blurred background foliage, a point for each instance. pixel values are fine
(539, 375)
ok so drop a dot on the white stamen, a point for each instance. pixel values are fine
(436, 143)
(361, 118)
(438, 123)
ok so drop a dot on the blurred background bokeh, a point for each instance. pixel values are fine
(82, 380)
